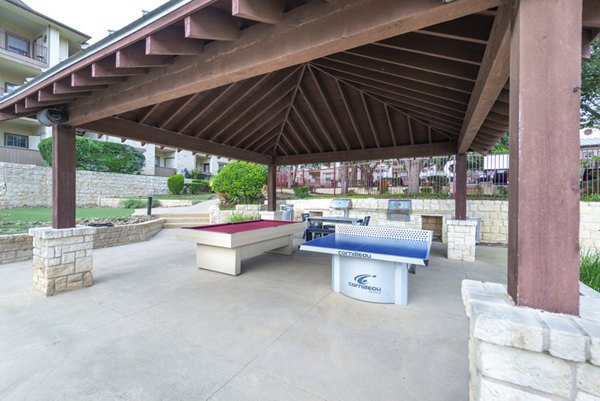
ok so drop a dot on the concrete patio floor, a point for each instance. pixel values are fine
(153, 327)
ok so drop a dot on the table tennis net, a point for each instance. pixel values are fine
(385, 232)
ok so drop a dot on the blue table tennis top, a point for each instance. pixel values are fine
(374, 246)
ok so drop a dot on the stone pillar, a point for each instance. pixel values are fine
(461, 239)
(526, 354)
(545, 75)
(62, 259)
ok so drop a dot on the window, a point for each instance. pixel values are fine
(170, 162)
(9, 87)
(206, 167)
(16, 141)
(157, 161)
(17, 44)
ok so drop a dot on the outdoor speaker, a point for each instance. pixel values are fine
(50, 117)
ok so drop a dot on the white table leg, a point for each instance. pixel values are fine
(335, 273)
(222, 260)
(401, 296)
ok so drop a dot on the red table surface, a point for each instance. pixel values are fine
(231, 228)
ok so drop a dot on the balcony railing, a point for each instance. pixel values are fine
(20, 156)
(24, 47)
(164, 171)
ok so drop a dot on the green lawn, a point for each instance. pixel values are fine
(45, 214)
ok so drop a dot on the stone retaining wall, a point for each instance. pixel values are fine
(525, 354)
(217, 216)
(14, 248)
(461, 240)
(493, 214)
(23, 185)
(117, 202)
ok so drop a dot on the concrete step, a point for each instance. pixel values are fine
(181, 215)
(178, 220)
(169, 225)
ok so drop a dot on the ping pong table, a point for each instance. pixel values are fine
(372, 263)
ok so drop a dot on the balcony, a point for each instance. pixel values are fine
(20, 156)
(23, 47)
(164, 171)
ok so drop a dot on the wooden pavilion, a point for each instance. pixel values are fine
(285, 82)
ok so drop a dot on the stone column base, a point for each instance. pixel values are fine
(62, 259)
(525, 354)
(461, 239)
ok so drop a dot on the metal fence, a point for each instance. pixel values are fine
(487, 176)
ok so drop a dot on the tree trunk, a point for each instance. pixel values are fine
(413, 176)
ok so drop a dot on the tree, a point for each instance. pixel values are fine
(240, 182)
(590, 89)
(501, 146)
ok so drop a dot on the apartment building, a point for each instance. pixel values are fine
(30, 43)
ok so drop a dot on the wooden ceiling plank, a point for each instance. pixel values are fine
(135, 56)
(410, 130)
(287, 44)
(263, 115)
(64, 88)
(492, 77)
(445, 48)
(591, 14)
(470, 28)
(294, 132)
(351, 115)
(212, 24)
(317, 119)
(244, 88)
(398, 152)
(292, 101)
(267, 11)
(413, 103)
(442, 81)
(147, 115)
(270, 125)
(450, 68)
(290, 144)
(194, 116)
(172, 42)
(409, 109)
(428, 134)
(396, 83)
(306, 130)
(140, 132)
(267, 140)
(332, 114)
(46, 95)
(281, 88)
(177, 108)
(390, 125)
(369, 119)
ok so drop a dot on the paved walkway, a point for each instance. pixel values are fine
(153, 327)
(201, 207)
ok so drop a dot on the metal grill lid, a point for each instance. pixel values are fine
(340, 204)
(399, 204)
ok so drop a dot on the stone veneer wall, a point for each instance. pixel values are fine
(493, 214)
(23, 185)
(14, 248)
(122, 235)
(461, 240)
(218, 216)
(525, 354)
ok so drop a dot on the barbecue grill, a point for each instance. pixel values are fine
(341, 205)
(399, 210)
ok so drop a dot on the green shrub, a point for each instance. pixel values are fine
(591, 198)
(236, 218)
(97, 155)
(175, 183)
(302, 192)
(589, 273)
(240, 182)
(197, 187)
(132, 203)
(426, 190)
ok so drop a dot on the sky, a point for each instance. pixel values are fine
(94, 18)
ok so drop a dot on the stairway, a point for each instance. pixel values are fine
(173, 220)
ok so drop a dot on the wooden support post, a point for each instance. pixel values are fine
(543, 252)
(272, 188)
(63, 177)
(460, 187)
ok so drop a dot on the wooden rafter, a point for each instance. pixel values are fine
(292, 101)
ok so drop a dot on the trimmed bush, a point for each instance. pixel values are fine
(240, 182)
(175, 183)
(236, 218)
(197, 187)
(133, 203)
(302, 192)
(94, 155)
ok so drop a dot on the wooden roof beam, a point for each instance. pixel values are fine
(267, 11)
(397, 152)
(106, 68)
(591, 14)
(83, 78)
(289, 43)
(140, 132)
(351, 115)
(491, 79)
(171, 41)
(47, 95)
(212, 24)
(295, 134)
(135, 56)
(292, 101)
(64, 88)
(33, 103)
